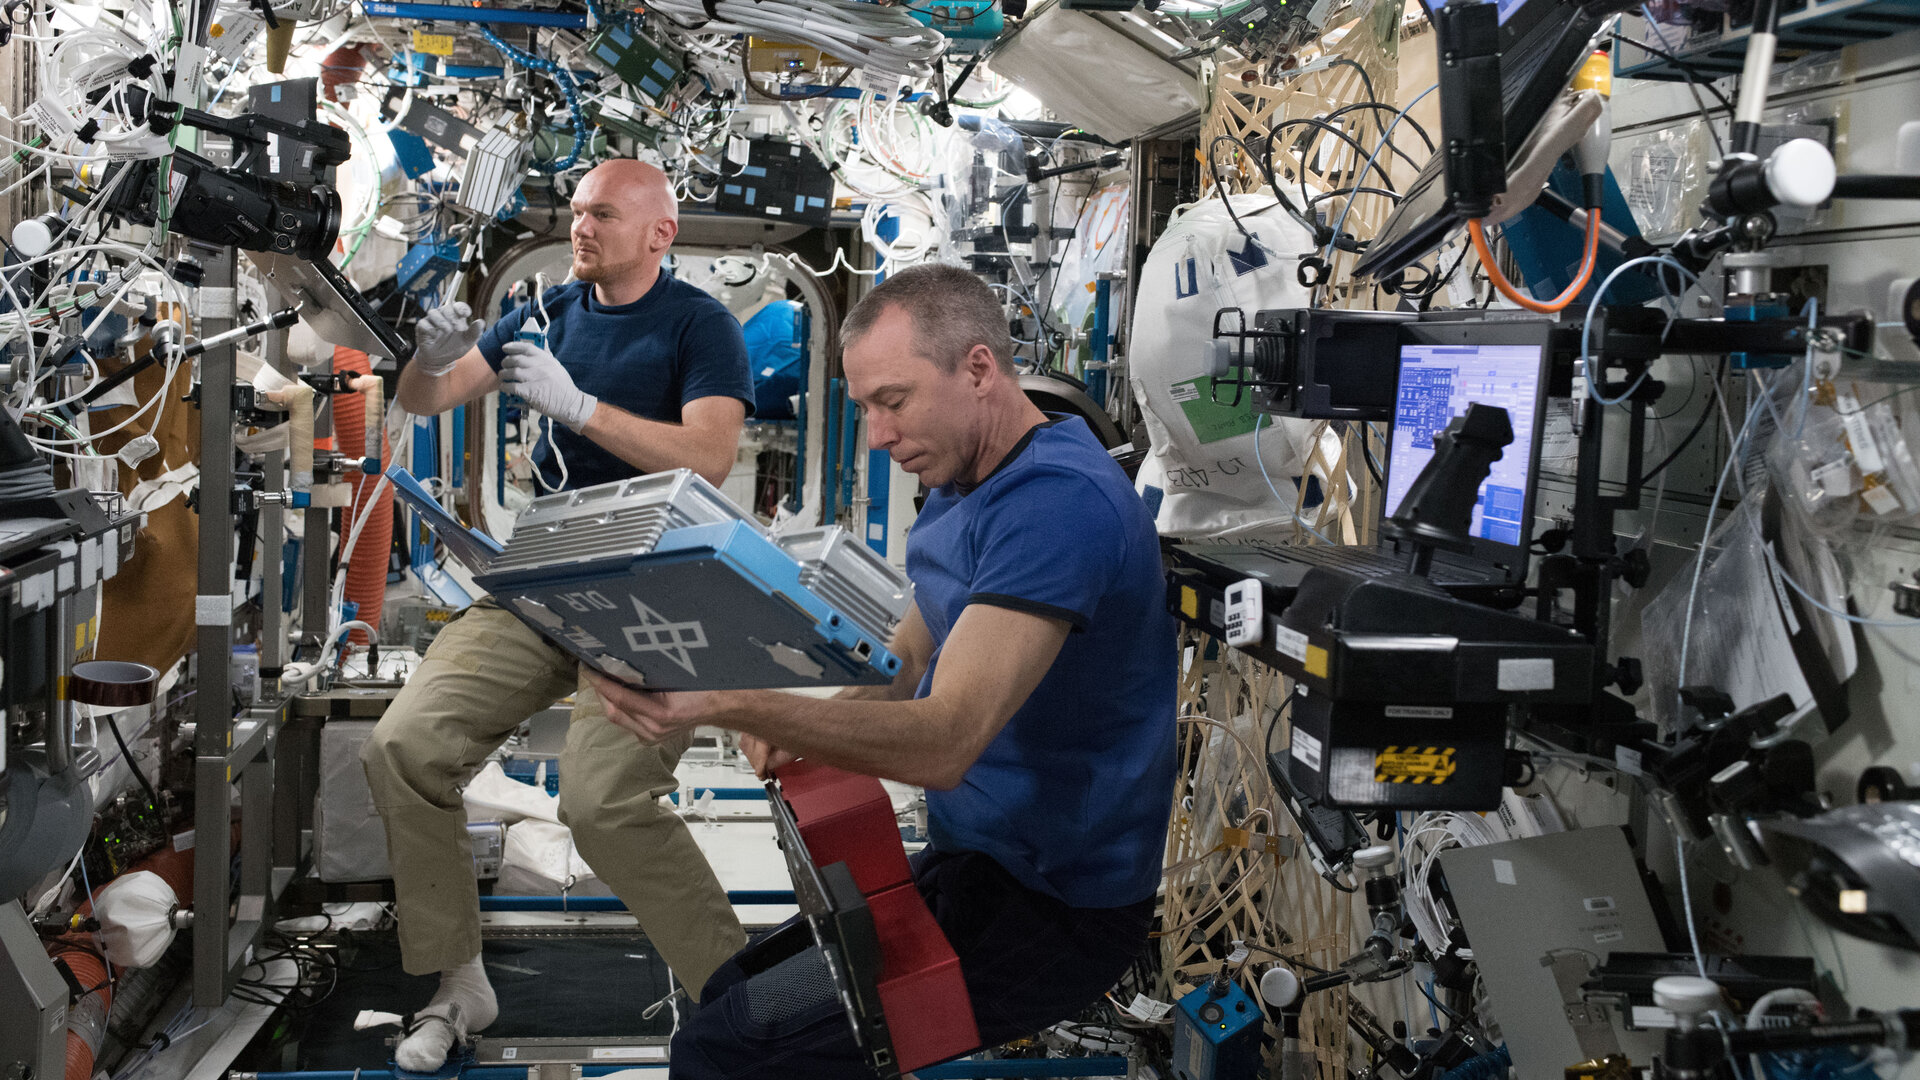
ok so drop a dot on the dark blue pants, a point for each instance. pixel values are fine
(1029, 961)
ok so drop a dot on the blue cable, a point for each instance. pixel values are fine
(1586, 327)
(1485, 1067)
(1361, 177)
(1262, 462)
(567, 89)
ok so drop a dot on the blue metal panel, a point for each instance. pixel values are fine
(451, 13)
(830, 467)
(1024, 1067)
(879, 496)
(804, 328)
(612, 903)
(488, 1073)
(849, 434)
(1100, 341)
(724, 590)
(1815, 26)
(457, 476)
(723, 793)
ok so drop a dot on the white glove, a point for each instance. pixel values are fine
(444, 336)
(533, 373)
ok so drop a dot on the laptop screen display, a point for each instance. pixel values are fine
(1437, 382)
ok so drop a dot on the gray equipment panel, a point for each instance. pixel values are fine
(33, 999)
(1567, 898)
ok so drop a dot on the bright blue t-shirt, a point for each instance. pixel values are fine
(650, 357)
(1071, 797)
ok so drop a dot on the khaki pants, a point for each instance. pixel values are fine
(482, 676)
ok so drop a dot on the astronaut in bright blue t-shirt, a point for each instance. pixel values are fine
(1035, 702)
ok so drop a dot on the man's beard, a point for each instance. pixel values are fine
(604, 271)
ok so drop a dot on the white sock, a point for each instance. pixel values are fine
(464, 1004)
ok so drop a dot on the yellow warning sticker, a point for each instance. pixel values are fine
(1189, 602)
(433, 44)
(1414, 765)
(1316, 662)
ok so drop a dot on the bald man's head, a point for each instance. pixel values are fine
(636, 180)
(624, 220)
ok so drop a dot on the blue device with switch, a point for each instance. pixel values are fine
(1217, 1031)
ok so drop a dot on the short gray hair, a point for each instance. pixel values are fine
(952, 311)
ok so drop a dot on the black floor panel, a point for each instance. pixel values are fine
(586, 986)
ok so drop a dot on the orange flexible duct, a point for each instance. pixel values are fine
(367, 566)
(87, 1020)
(1558, 303)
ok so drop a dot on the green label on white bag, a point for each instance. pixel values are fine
(1213, 422)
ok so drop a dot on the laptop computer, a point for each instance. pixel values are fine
(1543, 42)
(1444, 366)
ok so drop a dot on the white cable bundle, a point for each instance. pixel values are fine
(883, 39)
(1429, 835)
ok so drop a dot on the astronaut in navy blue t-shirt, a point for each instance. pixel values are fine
(638, 373)
(1035, 702)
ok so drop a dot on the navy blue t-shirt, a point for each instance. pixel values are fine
(1071, 797)
(650, 357)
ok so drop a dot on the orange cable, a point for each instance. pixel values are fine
(1558, 303)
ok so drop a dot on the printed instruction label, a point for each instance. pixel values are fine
(1835, 479)
(1525, 673)
(1148, 1009)
(51, 117)
(1289, 642)
(1860, 440)
(1881, 499)
(213, 610)
(1420, 712)
(1307, 749)
(1627, 760)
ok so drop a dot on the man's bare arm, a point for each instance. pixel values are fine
(990, 665)
(704, 440)
(913, 644)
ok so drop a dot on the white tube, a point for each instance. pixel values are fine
(374, 390)
(1753, 78)
(298, 399)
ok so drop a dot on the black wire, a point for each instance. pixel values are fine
(1693, 387)
(1693, 76)
(1339, 61)
(1706, 413)
(1451, 1015)
(153, 797)
(1431, 288)
(1213, 169)
(1337, 192)
(1305, 150)
(1377, 106)
(1264, 163)
(1366, 453)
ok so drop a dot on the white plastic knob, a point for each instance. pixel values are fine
(1279, 986)
(1686, 995)
(1800, 173)
(1376, 857)
(34, 236)
(1219, 356)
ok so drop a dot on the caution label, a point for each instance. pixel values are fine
(1414, 765)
